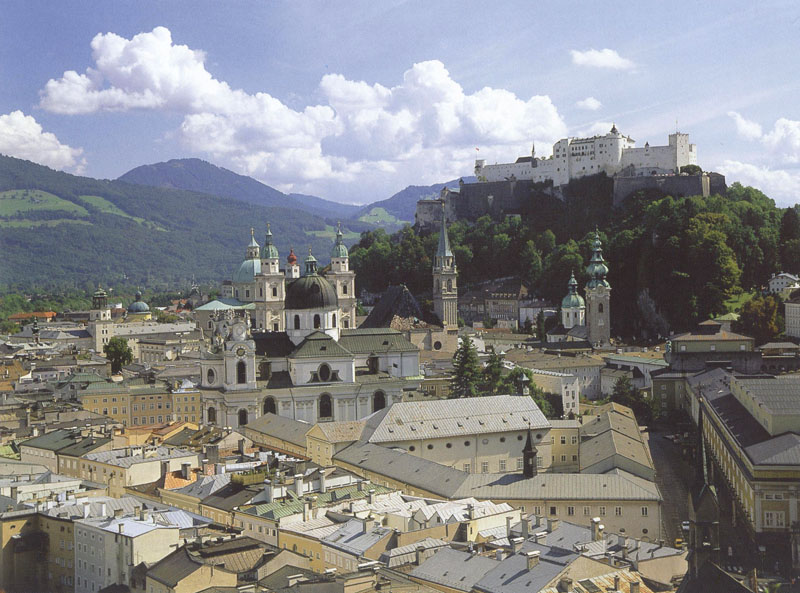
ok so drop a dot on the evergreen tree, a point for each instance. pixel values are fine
(493, 373)
(466, 370)
(511, 384)
(119, 353)
(541, 332)
(789, 240)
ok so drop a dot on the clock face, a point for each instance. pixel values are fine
(240, 352)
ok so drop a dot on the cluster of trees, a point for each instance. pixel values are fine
(471, 379)
(673, 261)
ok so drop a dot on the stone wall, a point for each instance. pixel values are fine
(670, 185)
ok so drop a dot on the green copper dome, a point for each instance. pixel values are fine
(269, 251)
(573, 300)
(138, 306)
(339, 249)
(247, 271)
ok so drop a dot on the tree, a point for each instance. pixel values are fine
(625, 394)
(511, 384)
(789, 240)
(691, 170)
(119, 353)
(493, 373)
(760, 318)
(541, 332)
(466, 370)
(531, 264)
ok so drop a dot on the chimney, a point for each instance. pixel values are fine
(144, 515)
(471, 511)
(533, 558)
(136, 510)
(371, 496)
(552, 525)
(85, 510)
(616, 582)
(117, 513)
(122, 527)
(597, 529)
(541, 537)
(635, 587)
(323, 481)
(498, 554)
(102, 509)
(525, 527)
(241, 447)
(298, 484)
(363, 485)
(516, 544)
(508, 526)
(268, 491)
(419, 555)
(565, 585)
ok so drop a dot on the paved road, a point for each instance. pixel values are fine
(673, 477)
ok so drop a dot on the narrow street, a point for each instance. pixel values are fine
(673, 477)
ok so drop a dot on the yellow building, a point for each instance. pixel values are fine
(135, 404)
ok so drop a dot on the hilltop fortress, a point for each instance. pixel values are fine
(611, 154)
(508, 188)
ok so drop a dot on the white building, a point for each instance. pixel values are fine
(792, 316)
(564, 384)
(612, 153)
(108, 548)
(782, 281)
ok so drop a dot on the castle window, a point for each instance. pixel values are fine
(449, 285)
(344, 288)
(269, 406)
(274, 291)
(317, 322)
(333, 320)
(297, 322)
(241, 373)
(261, 291)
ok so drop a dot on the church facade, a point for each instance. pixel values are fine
(299, 355)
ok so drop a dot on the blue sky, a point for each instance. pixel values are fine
(353, 101)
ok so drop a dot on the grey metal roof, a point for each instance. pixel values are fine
(780, 395)
(375, 340)
(285, 429)
(407, 554)
(205, 486)
(458, 417)
(123, 457)
(352, 539)
(513, 576)
(781, 450)
(454, 569)
(320, 345)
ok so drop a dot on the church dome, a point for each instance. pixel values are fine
(311, 292)
(572, 301)
(291, 259)
(138, 306)
(269, 251)
(247, 271)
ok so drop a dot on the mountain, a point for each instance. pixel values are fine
(201, 176)
(402, 205)
(58, 229)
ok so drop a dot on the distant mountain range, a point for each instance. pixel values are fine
(168, 227)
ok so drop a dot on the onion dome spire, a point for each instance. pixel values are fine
(597, 268)
(291, 259)
(311, 264)
(269, 251)
(339, 249)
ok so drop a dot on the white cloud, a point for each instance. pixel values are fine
(784, 140)
(589, 103)
(598, 128)
(603, 58)
(425, 127)
(781, 185)
(744, 127)
(22, 136)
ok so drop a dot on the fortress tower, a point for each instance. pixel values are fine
(598, 297)
(445, 289)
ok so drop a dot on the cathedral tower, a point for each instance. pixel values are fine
(598, 297)
(445, 289)
(270, 289)
(573, 309)
(343, 280)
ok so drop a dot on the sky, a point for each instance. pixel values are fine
(352, 101)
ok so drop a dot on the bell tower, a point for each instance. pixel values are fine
(598, 297)
(270, 288)
(344, 281)
(445, 275)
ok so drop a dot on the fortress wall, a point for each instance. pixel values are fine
(672, 185)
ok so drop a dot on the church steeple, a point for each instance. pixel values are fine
(529, 452)
(598, 297)
(445, 274)
(597, 268)
(311, 264)
(253, 248)
(269, 251)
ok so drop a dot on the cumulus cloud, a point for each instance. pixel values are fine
(589, 103)
(781, 185)
(598, 128)
(427, 123)
(603, 58)
(744, 127)
(22, 136)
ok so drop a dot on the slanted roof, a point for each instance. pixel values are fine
(273, 344)
(352, 538)
(454, 569)
(396, 309)
(54, 441)
(87, 445)
(320, 345)
(781, 450)
(280, 427)
(375, 341)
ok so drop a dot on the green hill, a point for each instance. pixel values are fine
(58, 229)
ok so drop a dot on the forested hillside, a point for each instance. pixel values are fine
(673, 261)
(58, 229)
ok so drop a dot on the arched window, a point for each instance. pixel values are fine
(316, 322)
(210, 325)
(269, 406)
(297, 322)
(378, 401)
(600, 307)
(325, 406)
(449, 284)
(243, 417)
(212, 415)
(274, 291)
(241, 372)
(333, 320)
(344, 288)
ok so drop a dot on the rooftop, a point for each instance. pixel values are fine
(132, 455)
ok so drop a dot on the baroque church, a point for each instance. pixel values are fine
(587, 320)
(295, 351)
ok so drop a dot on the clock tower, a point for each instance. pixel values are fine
(240, 359)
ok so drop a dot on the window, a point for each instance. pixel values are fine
(344, 288)
(325, 405)
(324, 372)
(467, 467)
(519, 463)
(274, 291)
(774, 519)
(644, 511)
(552, 510)
(484, 467)
(586, 511)
(241, 372)
(563, 458)
(242, 417)
(502, 465)
(317, 322)
(269, 406)
(618, 511)
(574, 440)
(378, 401)
(297, 322)
(570, 511)
(212, 415)
(602, 512)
